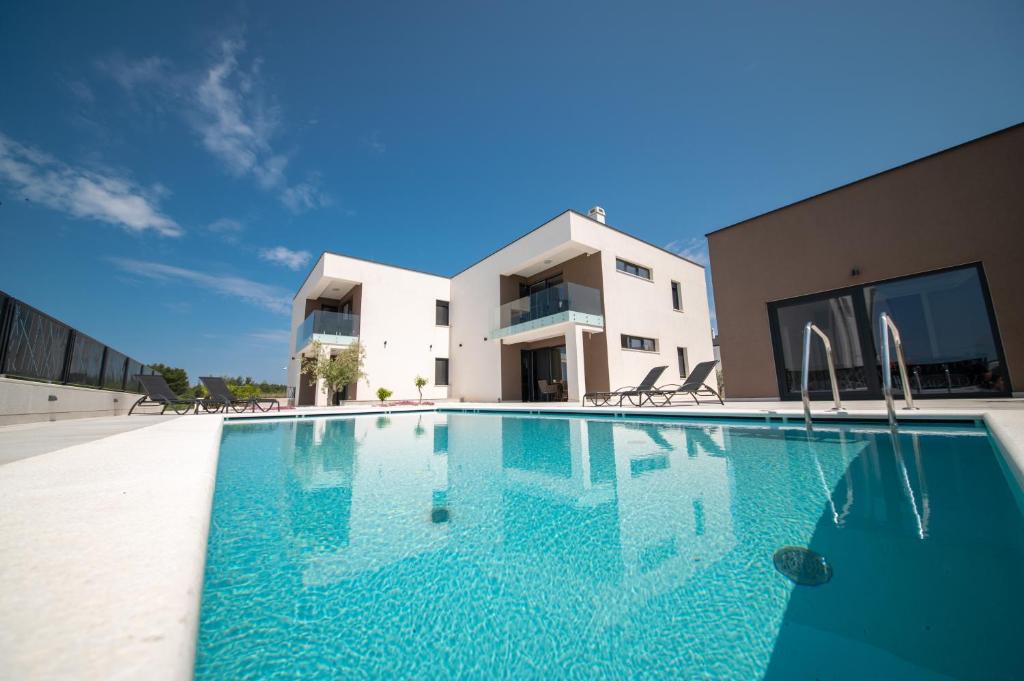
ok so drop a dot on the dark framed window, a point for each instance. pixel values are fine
(440, 371)
(639, 343)
(441, 313)
(946, 322)
(684, 366)
(632, 268)
(677, 296)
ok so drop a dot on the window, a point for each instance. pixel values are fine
(677, 296)
(629, 268)
(684, 369)
(441, 313)
(440, 371)
(639, 343)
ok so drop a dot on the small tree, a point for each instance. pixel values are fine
(343, 369)
(383, 394)
(420, 382)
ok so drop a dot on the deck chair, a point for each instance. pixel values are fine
(158, 393)
(694, 385)
(636, 395)
(222, 398)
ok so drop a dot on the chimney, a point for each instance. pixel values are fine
(596, 213)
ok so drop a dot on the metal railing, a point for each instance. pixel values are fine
(37, 347)
(885, 328)
(805, 366)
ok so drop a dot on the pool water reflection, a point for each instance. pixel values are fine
(491, 546)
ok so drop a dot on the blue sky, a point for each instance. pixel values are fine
(168, 172)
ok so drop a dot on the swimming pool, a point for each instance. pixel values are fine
(440, 545)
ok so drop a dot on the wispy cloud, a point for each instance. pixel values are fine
(226, 104)
(225, 226)
(374, 143)
(275, 336)
(269, 297)
(694, 249)
(130, 74)
(83, 193)
(285, 256)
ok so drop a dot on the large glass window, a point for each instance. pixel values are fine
(837, 318)
(947, 334)
(944, 319)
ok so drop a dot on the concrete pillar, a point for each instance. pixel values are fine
(575, 380)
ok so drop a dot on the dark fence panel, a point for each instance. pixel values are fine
(113, 370)
(36, 346)
(86, 361)
(130, 382)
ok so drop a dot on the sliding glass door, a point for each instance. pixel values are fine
(945, 319)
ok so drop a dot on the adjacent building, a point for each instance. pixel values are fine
(937, 243)
(572, 306)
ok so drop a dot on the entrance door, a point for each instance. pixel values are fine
(542, 364)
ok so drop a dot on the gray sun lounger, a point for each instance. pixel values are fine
(221, 397)
(636, 395)
(694, 385)
(158, 393)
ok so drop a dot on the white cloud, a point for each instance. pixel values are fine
(226, 107)
(285, 256)
(83, 193)
(276, 336)
(131, 74)
(266, 296)
(694, 249)
(305, 196)
(225, 225)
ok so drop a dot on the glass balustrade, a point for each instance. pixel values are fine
(561, 303)
(327, 327)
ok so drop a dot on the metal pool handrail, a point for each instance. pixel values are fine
(885, 327)
(810, 328)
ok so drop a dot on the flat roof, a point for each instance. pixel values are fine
(867, 178)
(497, 250)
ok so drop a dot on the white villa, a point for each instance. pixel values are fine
(570, 307)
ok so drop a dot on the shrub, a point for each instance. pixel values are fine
(383, 394)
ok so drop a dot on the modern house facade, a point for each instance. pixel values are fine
(572, 306)
(938, 244)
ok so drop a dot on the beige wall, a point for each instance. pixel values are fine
(961, 206)
(30, 401)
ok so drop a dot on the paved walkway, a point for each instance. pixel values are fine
(31, 439)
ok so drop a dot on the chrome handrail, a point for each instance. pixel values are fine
(885, 327)
(810, 328)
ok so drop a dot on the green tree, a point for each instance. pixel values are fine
(383, 394)
(420, 382)
(176, 378)
(345, 368)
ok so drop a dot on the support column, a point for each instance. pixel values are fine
(575, 379)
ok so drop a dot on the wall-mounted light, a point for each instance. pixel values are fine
(855, 272)
(431, 346)
(385, 343)
(485, 338)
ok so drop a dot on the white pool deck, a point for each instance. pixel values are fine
(103, 526)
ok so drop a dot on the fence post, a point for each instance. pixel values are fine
(6, 312)
(69, 350)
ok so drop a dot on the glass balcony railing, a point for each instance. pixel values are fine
(562, 303)
(327, 327)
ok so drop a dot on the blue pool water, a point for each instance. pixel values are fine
(444, 545)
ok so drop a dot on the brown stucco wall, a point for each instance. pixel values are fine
(960, 206)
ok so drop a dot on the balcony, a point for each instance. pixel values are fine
(330, 328)
(565, 302)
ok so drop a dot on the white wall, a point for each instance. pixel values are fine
(29, 401)
(476, 363)
(639, 307)
(398, 306)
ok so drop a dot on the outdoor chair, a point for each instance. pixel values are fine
(221, 397)
(694, 385)
(158, 393)
(636, 395)
(548, 390)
